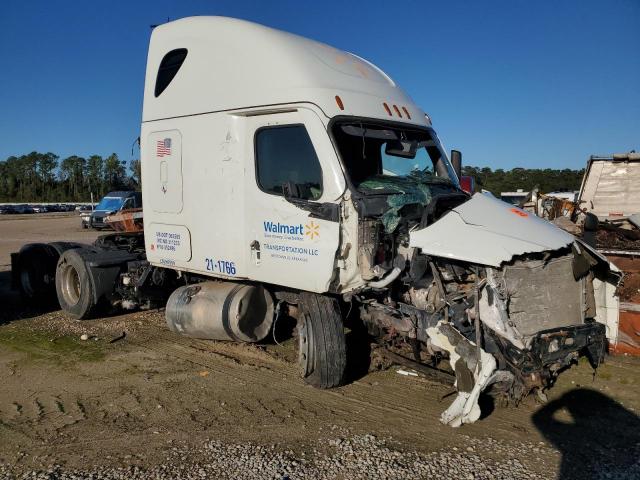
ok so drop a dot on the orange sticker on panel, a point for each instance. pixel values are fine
(519, 212)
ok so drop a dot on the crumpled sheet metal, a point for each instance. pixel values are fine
(488, 231)
(465, 407)
(410, 191)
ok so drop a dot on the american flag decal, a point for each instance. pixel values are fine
(163, 147)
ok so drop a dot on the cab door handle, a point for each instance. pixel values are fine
(255, 251)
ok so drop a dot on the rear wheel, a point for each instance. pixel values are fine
(74, 287)
(36, 272)
(322, 352)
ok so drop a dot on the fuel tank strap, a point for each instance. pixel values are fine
(225, 313)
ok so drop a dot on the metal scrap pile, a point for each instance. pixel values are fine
(550, 206)
(623, 234)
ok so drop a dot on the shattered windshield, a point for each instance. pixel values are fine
(382, 157)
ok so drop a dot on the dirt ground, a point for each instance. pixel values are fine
(134, 390)
(16, 230)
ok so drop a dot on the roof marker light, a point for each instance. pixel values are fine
(395, 107)
(386, 107)
(406, 112)
(339, 102)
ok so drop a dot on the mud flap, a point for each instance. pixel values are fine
(596, 351)
(471, 376)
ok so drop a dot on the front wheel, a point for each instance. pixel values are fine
(322, 351)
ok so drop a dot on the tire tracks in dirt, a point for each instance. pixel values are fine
(42, 415)
(415, 406)
(234, 388)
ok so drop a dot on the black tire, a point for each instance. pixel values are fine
(322, 350)
(36, 272)
(74, 287)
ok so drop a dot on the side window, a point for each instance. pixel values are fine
(286, 155)
(168, 69)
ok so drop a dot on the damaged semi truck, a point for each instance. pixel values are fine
(284, 177)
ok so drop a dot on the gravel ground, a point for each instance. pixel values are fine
(342, 457)
(145, 406)
(354, 457)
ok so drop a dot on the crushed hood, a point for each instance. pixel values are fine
(488, 231)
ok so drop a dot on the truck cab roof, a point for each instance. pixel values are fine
(208, 64)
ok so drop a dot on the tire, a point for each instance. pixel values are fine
(36, 272)
(322, 350)
(73, 286)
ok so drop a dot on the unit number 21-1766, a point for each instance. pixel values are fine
(220, 266)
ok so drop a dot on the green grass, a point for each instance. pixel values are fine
(603, 375)
(39, 346)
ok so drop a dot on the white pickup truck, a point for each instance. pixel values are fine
(284, 177)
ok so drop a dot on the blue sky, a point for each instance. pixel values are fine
(510, 83)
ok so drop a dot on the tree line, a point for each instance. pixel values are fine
(547, 180)
(44, 177)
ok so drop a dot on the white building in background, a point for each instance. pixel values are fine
(514, 198)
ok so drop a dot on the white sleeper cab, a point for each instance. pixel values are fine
(284, 177)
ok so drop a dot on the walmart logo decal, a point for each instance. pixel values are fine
(311, 230)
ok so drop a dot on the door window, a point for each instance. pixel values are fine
(285, 156)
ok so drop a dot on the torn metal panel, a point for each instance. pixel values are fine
(627, 339)
(607, 308)
(487, 231)
(603, 262)
(629, 330)
(493, 307)
(472, 376)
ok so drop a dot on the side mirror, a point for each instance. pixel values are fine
(456, 161)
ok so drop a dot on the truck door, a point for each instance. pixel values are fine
(293, 190)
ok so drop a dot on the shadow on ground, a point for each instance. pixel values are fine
(597, 436)
(358, 354)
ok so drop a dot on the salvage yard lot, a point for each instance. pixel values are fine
(136, 397)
